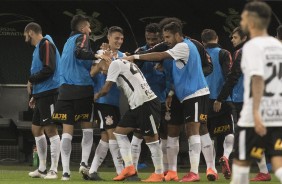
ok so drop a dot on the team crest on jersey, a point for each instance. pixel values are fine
(167, 116)
(109, 120)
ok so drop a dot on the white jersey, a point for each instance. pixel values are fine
(131, 81)
(262, 56)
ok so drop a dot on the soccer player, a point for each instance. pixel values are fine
(233, 86)
(220, 122)
(107, 110)
(43, 86)
(260, 124)
(156, 79)
(76, 90)
(190, 87)
(144, 114)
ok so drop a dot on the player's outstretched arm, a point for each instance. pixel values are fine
(105, 89)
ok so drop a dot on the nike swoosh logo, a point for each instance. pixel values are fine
(45, 119)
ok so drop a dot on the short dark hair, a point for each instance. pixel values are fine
(279, 32)
(262, 10)
(240, 32)
(208, 35)
(77, 20)
(168, 20)
(33, 27)
(173, 27)
(153, 28)
(115, 29)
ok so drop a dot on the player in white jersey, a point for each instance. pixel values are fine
(260, 124)
(144, 114)
(190, 88)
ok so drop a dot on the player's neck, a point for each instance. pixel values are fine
(256, 33)
(38, 39)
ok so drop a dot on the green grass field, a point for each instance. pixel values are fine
(19, 175)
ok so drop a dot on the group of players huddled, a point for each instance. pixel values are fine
(171, 83)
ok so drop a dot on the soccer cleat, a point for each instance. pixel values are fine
(171, 176)
(133, 178)
(65, 177)
(83, 167)
(262, 177)
(51, 175)
(94, 177)
(211, 175)
(38, 174)
(125, 173)
(190, 177)
(154, 177)
(224, 162)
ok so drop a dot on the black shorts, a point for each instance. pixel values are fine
(44, 108)
(222, 122)
(71, 111)
(146, 117)
(175, 115)
(250, 146)
(106, 115)
(196, 109)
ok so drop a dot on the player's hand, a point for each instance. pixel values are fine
(105, 46)
(29, 87)
(127, 53)
(216, 106)
(168, 102)
(129, 58)
(31, 103)
(96, 96)
(159, 67)
(259, 127)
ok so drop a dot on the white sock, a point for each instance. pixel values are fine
(41, 144)
(194, 152)
(228, 145)
(240, 174)
(115, 152)
(207, 149)
(66, 152)
(135, 150)
(55, 149)
(262, 165)
(86, 144)
(278, 174)
(100, 155)
(165, 155)
(157, 156)
(172, 152)
(125, 149)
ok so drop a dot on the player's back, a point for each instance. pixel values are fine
(133, 83)
(263, 56)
